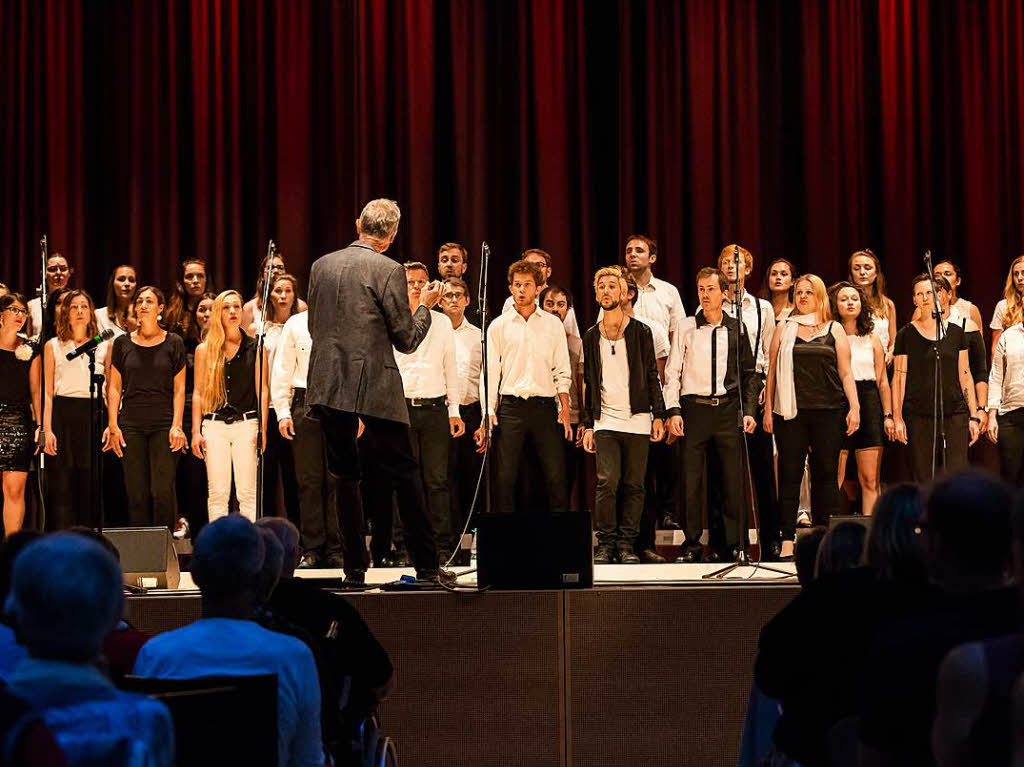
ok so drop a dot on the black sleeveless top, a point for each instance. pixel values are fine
(240, 379)
(816, 373)
(14, 381)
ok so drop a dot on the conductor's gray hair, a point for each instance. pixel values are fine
(379, 219)
(66, 596)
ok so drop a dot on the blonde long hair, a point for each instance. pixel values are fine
(1014, 304)
(211, 387)
(820, 293)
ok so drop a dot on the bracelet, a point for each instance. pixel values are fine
(888, 415)
(976, 420)
(888, 418)
(979, 409)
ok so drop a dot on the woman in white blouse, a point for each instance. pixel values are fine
(1010, 309)
(1006, 403)
(70, 496)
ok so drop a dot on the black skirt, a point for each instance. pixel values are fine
(17, 433)
(871, 432)
(70, 422)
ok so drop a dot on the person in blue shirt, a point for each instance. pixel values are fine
(226, 565)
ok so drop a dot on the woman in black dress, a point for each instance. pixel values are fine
(814, 404)
(915, 406)
(145, 405)
(66, 416)
(19, 408)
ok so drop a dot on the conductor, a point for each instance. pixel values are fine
(358, 311)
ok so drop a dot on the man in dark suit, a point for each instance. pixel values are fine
(358, 311)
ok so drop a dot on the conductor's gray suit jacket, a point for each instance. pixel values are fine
(358, 311)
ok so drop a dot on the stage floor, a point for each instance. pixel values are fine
(604, 575)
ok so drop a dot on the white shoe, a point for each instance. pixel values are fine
(180, 528)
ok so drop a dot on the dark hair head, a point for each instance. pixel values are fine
(940, 282)
(194, 332)
(765, 291)
(864, 323)
(551, 288)
(967, 527)
(650, 242)
(805, 554)
(711, 271)
(416, 266)
(159, 294)
(538, 252)
(295, 290)
(526, 267)
(63, 320)
(458, 282)
(841, 549)
(7, 300)
(454, 246)
(10, 547)
(894, 549)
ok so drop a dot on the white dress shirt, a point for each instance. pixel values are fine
(689, 366)
(571, 326)
(71, 377)
(433, 369)
(468, 361)
(576, 367)
(665, 293)
(1006, 378)
(752, 309)
(35, 313)
(291, 363)
(527, 358)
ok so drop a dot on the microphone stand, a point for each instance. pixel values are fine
(938, 407)
(261, 332)
(44, 302)
(481, 297)
(742, 560)
(95, 461)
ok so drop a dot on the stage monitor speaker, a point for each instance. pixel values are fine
(148, 559)
(531, 550)
(855, 518)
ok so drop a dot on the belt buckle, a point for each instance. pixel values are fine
(415, 402)
(714, 401)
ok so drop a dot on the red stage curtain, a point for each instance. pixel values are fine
(147, 132)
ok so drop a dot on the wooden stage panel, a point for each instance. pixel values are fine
(479, 676)
(662, 675)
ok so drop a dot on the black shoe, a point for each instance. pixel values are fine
(689, 557)
(710, 557)
(668, 523)
(605, 554)
(310, 559)
(771, 552)
(402, 559)
(626, 554)
(738, 554)
(652, 557)
(439, 576)
(333, 562)
(355, 578)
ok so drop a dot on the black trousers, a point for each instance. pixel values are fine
(1011, 446)
(921, 443)
(191, 486)
(573, 467)
(661, 489)
(429, 437)
(386, 444)
(518, 419)
(822, 433)
(621, 465)
(149, 476)
(761, 450)
(713, 430)
(279, 471)
(463, 474)
(321, 529)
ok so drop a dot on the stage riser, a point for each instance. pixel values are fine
(601, 677)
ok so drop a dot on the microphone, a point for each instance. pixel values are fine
(928, 259)
(92, 343)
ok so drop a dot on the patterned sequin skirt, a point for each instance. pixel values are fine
(16, 437)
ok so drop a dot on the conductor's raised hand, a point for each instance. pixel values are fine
(431, 294)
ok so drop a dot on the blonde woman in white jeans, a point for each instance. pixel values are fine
(224, 406)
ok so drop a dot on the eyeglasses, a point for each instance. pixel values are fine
(453, 297)
(17, 311)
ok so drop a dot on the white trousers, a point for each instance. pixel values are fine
(231, 446)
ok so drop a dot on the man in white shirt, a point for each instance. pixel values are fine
(623, 411)
(543, 260)
(759, 320)
(657, 299)
(453, 263)
(703, 397)
(529, 374)
(463, 459)
(321, 529)
(433, 392)
(226, 565)
(558, 301)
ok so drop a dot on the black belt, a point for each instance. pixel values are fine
(527, 400)
(426, 401)
(230, 418)
(723, 399)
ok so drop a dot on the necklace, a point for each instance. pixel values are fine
(608, 335)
